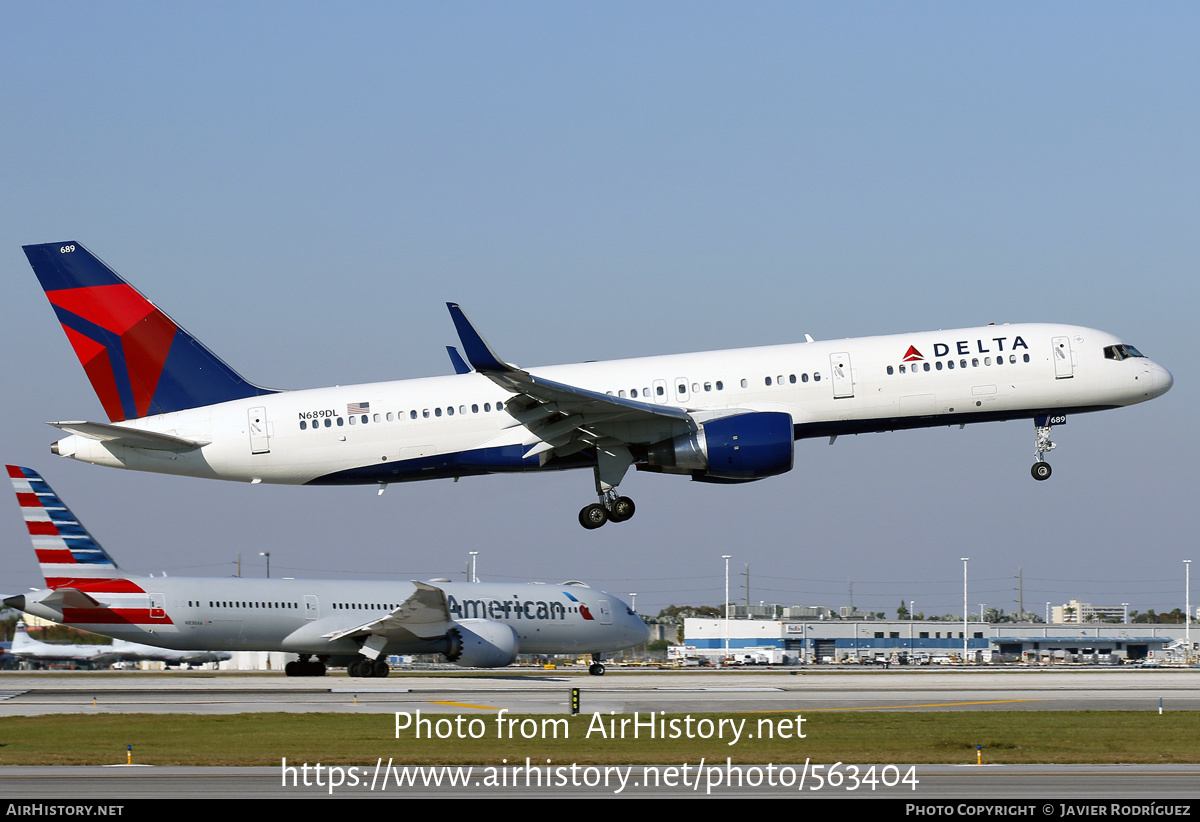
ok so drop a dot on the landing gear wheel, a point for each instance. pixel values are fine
(355, 668)
(1040, 471)
(622, 509)
(596, 669)
(593, 516)
(381, 668)
(292, 668)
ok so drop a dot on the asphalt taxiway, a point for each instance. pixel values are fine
(621, 690)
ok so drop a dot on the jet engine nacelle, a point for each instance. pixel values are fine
(481, 643)
(736, 448)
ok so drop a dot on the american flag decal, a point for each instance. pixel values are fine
(358, 408)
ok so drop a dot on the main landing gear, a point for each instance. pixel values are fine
(611, 508)
(368, 668)
(612, 461)
(305, 666)
(1041, 468)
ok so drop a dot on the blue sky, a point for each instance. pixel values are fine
(303, 186)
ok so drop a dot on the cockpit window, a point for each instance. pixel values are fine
(1121, 352)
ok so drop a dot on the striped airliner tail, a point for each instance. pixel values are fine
(88, 587)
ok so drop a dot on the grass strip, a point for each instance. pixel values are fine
(1081, 737)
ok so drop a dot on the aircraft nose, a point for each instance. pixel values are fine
(639, 631)
(1162, 380)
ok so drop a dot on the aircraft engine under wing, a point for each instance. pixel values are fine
(735, 448)
(481, 643)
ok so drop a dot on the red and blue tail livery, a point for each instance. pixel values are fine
(139, 361)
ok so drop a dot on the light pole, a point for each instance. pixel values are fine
(964, 562)
(1125, 613)
(1187, 610)
(633, 601)
(474, 576)
(267, 554)
(726, 558)
(912, 644)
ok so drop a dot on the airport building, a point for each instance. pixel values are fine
(903, 641)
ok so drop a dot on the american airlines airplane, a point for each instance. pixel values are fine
(717, 416)
(338, 622)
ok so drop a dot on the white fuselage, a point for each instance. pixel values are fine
(454, 426)
(300, 616)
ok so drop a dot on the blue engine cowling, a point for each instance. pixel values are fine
(737, 448)
(481, 643)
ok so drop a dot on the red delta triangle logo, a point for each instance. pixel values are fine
(912, 354)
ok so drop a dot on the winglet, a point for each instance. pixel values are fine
(460, 365)
(479, 353)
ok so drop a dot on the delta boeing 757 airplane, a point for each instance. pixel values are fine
(717, 416)
(339, 622)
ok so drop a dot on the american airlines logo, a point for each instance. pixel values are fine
(505, 609)
(964, 347)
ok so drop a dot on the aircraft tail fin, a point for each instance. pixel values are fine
(22, 642)
(70, 557)
(139, 361)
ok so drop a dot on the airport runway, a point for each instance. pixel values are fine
(623, 691)
(1043, 787)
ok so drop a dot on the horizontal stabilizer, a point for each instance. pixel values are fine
(56, 600)
(132, 437)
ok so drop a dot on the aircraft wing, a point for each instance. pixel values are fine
(132, 437)
(425, 614)
(563, 419)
